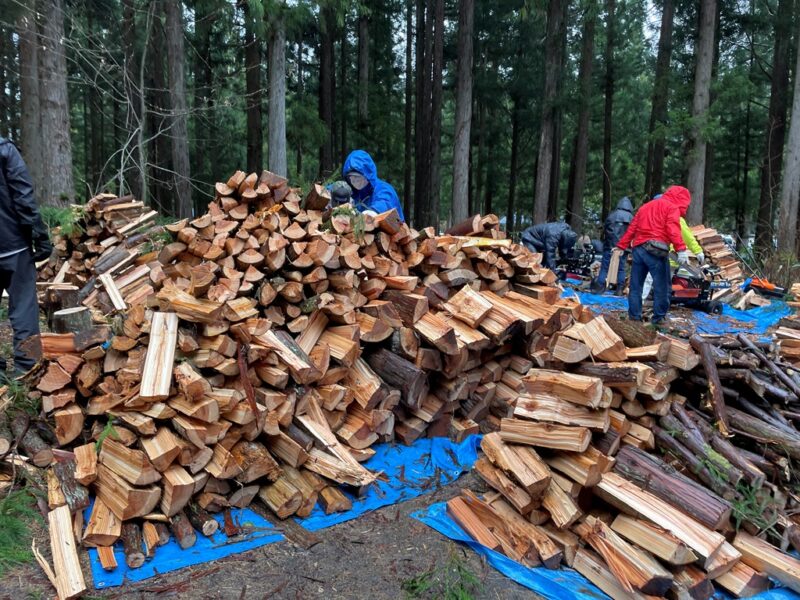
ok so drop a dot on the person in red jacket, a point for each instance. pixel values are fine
(655, 226)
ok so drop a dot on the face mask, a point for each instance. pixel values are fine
(357, 181)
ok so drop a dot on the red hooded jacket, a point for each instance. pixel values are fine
(659, 220)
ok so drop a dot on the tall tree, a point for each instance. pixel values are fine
(514, 162)
(790, 187)
(463, 116)
(608, 108)
(580, 154)
(277, 97)
(177, 89)
(424, 116)
(362, 113)
(553, 48)
(776, 128)
(136, 106)
(654, 171)
(57, 182)
(408, 117)
(327, 85)
(704, 53)
(30, 122)
(252, 66)
(437, 72)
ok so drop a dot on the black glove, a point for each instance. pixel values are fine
(40, 241)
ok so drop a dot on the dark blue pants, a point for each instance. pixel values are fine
(644, 263)
(606, 262)
(18, 278)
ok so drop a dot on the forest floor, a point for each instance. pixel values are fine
(384, 555)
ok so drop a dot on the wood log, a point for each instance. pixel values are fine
(691, 582)
(523, 465)
(546, 435)
(332, 500)
(560, 505)
(69, 581)
(201, 520)
(468, 306)
(103, 527)
(459, 511)
(281, 497)
(107, 559)
(85, 463)
(544, 407)
(182, 530)
(714, 386)
(635, 569)
(76, 495)
(664, 482)
(71, 320)
(157, 369)
(777, 371)
(400, 373)
(655, 539)
(761, 556)
(578, 389)
(591, 566)
(132, 545)
(631, 499)
(124, 500)
(517, 496)
(132, 465)
(31, 443)
(742, 581)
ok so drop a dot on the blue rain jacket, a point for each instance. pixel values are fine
(378, 196)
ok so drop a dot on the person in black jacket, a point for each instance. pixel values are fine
(551, 239)
(614, 228)
(23, 240)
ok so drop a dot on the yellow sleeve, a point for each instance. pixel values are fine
(689, 239)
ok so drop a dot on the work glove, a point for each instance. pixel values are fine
(701, 258)
(40, 242)
(683, 257)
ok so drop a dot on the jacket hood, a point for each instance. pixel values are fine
(361, 161)
(679, 196)
(625, 204)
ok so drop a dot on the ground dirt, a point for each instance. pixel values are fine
(370, 558)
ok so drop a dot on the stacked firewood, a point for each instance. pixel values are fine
(100, 260)
(575, 476)
(719, 254)
(280, 342)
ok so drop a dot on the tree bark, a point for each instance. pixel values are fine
(608, 109)
(654, 174)
(177, 92)
(29, 90)
(790, 187)
(277, 99)
(776, 128)
(422, 180)
(252, 66)
(704, 52)
(436, 117)
(58, 188)
(134, 115)
(409, 124)
(555, 17)
(204, 142)
(299, 148)
(463, 118)
(514, 165)
(326, 88)
(341, 110)
(580, 154)
(363, 72)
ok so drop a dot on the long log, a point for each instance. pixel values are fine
(716, 396)
(765, 433)
(663, 481)
(399, 373)
(779, 373)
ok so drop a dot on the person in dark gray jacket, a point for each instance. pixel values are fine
(23, 240)
(551, 239)
(614, 228)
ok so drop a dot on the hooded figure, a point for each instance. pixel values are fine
(614, 228)
(655, 226)
(551, 239)
(369, 192)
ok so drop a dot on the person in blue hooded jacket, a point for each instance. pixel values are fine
(369, 192)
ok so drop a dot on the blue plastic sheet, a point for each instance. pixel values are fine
(757, 320)
(410, 472)
(560, 584)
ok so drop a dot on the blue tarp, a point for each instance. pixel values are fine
(560, 584)
(756, 320)
(410, 472)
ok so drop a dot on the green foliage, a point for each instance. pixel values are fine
(754, 506)
(68, 219)
(108, 430)
(20, 400)
(17, 513)
(452, 581)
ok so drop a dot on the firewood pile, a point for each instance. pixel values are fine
(100, 260)
(788, 331)
(282, 341)
(718, 253)
(665, 474)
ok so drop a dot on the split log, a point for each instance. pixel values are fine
(69, 582)
(157, 369)
(762, 556)
(103, 527)
(714, 386)
(523, 465)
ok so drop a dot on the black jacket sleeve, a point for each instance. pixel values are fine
(20, 189)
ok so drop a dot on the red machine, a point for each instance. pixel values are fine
(693, 287)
